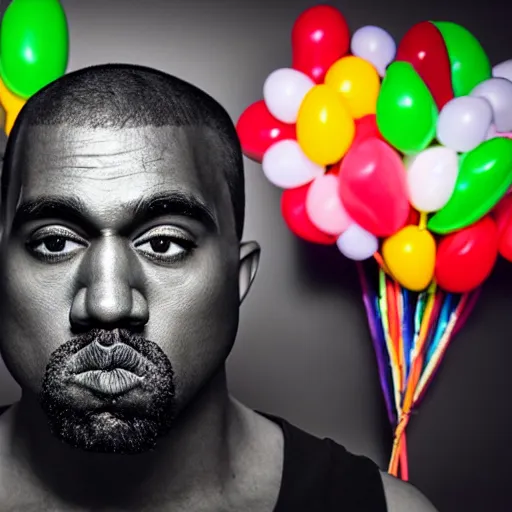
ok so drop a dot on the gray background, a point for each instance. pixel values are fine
(303, 350)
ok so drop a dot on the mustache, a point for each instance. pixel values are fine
(102, 349)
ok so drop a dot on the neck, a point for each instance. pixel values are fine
(194, 458)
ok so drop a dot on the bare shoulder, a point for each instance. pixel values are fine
(404, 497)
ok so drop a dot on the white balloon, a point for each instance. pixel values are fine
(503, 70)
(283, 92)
(357, 244)
(286, 166)
(464, 123)
(498, 92)
(374, 45)
(431, 178)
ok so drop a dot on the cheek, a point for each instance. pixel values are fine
(34, 319)
(195, 323)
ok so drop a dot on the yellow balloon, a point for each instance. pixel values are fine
(12, 105)
(325, 128)
(358, 82)
(410, 255)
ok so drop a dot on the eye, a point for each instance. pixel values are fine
(164, 243)
(55, 244)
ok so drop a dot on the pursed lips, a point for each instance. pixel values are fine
(109, 370)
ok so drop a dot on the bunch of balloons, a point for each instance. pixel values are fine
(400, 153)
(34, 51)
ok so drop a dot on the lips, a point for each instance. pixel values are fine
(114, 382)
(109, 370)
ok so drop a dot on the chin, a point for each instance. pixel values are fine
(108, 433)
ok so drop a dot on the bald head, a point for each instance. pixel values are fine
(117, 96)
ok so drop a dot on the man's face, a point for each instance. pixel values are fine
(119, 278)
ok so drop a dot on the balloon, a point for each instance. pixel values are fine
(325, 128)
(503, 70)
(505, 242)
(484, 177)
(414, 217)
(469, 62)
(257, 130)
(498, 92)
(357, 244)
(502, 213)
(358, 83)
(283, 92)
(431, 178)
(320, 36)
(374, 45)
(406, 111)
(410, 255)
(293, 210)
(464, 123)
(466, 258)
(366, 128)
(33, 45)
(324, 206)
(285, 165)
(12, 105)
(373, 187)
(424, 48)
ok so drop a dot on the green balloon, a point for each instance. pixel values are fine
(34, 45)
(406, 111)
(469, 62)
(485, 175)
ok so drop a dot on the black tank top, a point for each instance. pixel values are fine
(320, 475)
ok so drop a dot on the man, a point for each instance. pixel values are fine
(122, 273)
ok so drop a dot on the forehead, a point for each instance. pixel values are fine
(107, 166)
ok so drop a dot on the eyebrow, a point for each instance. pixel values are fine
(143, 210)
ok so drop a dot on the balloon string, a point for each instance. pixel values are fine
(457, 319)
(414, 376)
(382, 264)
(404, 463)
(393, 356)
(401, 347)
(377, 337)
(423, 220)
(394, 326)
(466, 312)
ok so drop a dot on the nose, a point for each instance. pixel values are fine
(110, 291)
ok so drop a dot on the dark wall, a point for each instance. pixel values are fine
(303, 350)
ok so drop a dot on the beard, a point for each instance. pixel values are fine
(109, 392)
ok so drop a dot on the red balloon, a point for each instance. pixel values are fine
(423, 46)
(366, 128)
(466, 258)
(502, 213)
(293, 210)
(333, 169)
(258, 129)
(414, 217)
(320, 36)
(373, 187)
(505, 241)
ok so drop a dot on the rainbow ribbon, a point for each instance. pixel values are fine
(410, 333)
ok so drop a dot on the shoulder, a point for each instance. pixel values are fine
(403, 497)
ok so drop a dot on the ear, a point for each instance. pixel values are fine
(249, 262)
